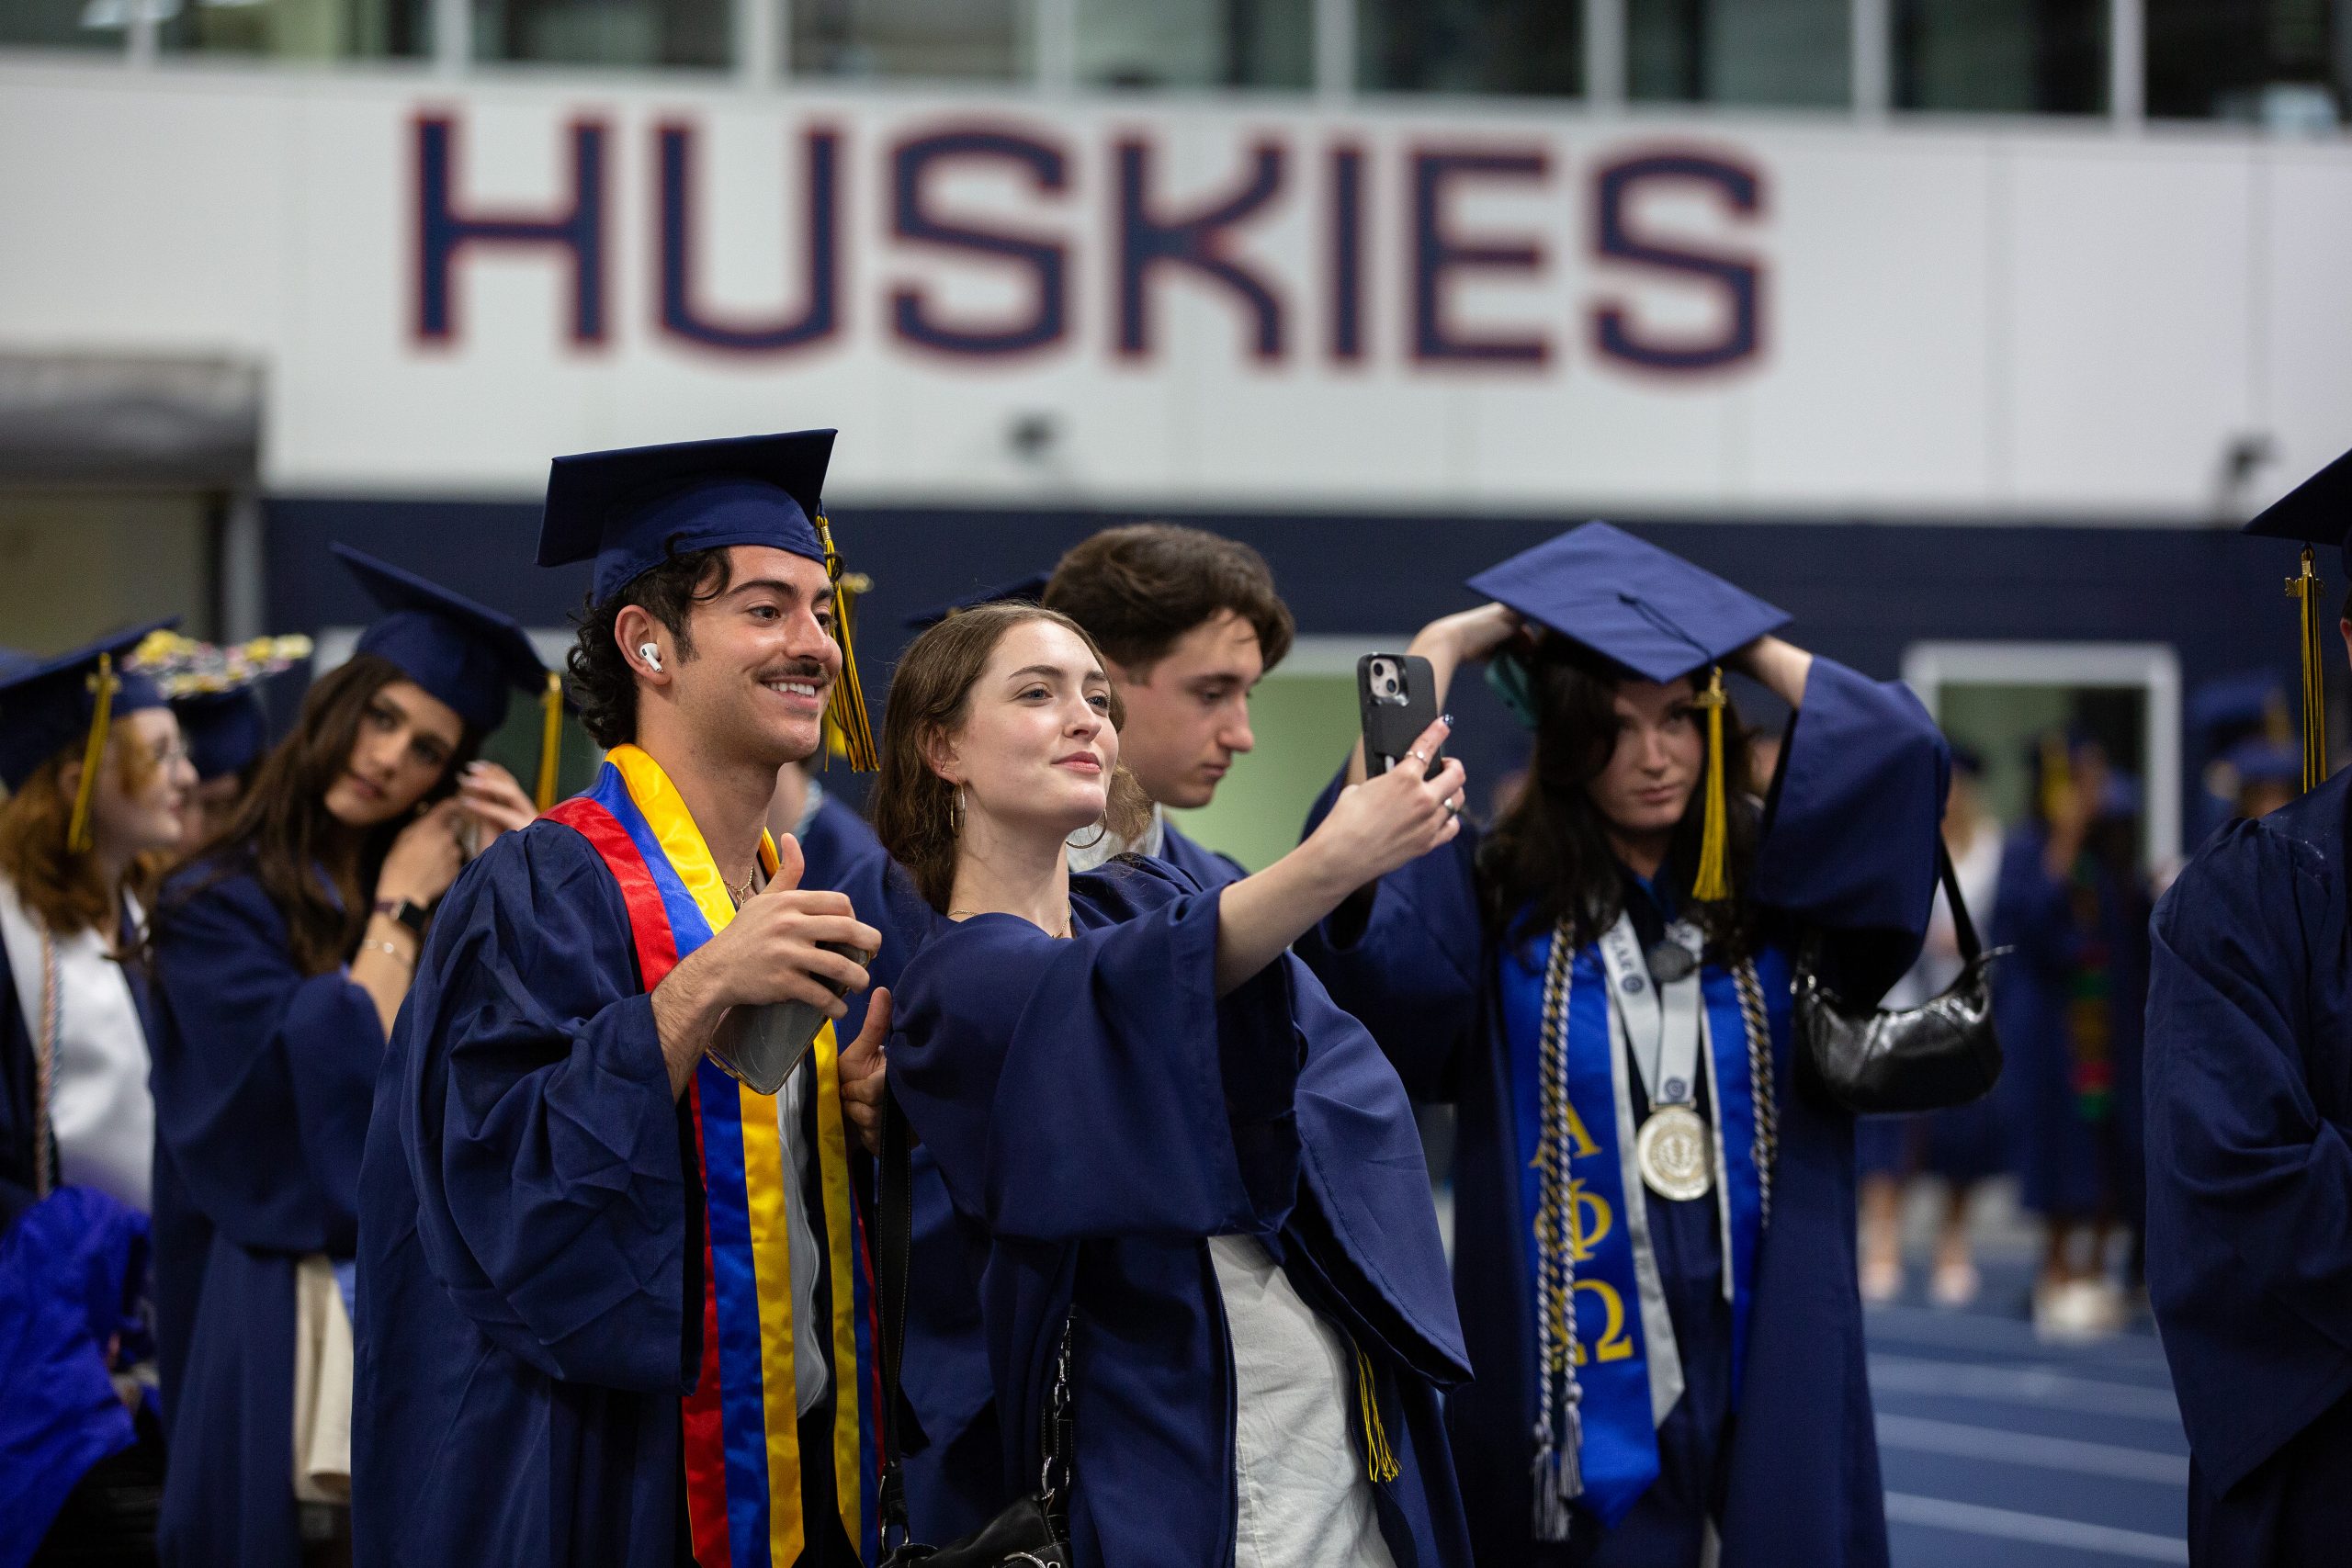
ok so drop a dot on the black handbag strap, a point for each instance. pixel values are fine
(1962, 927)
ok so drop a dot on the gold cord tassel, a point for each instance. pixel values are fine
(1713, 883)
(550, 741)
(1380, 1462)
(94, 750)
(846, 709)
(2304, 588)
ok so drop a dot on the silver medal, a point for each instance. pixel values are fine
(1672, 1150)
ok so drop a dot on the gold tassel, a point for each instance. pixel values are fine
(846, 709)
(1713, 883)
(2304, 588)
(77, 830)
(1379, 1460)
(550, 741)
(2057, 776)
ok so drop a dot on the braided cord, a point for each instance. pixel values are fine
(1559, 1426)
(1762, 1094)
(45, 1059)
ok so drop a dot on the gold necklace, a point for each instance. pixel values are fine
(1061, 935)
(742, 895)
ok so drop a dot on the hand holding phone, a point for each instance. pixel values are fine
(1396, 694)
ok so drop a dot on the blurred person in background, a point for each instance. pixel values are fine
(214, 692)
(1156, 1131)
(2069, 1001)
(283, 954)
(98, 787)
(1671, 1314)
(2257, 777)
(1963, 1147)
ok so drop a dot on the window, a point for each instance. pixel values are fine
(293, 30)
(2285, 63)
(64, 23)
(1533, 48)
(1793, 52)
(693, 33)
(942, 39)
(2001, 56)
(1196, 43)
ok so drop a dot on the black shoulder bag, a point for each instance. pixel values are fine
(1929, 1058)
(1032, 1532)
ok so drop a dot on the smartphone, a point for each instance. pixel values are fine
(1397, 694)
(763, 1045)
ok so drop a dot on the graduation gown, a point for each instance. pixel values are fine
(1849, 848)
(264, 1078)
(1098, 1113)
(2249, 1134)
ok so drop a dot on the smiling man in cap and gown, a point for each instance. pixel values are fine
(2249, 1136)
(1654, 1245)
(614, 1305)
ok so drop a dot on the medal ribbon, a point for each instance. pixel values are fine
(1606, 1350)
(741, 1422)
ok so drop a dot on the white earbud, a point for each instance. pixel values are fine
(651, 654)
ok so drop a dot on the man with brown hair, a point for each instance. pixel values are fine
(1188, 623)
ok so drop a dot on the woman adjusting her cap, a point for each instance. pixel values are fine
(1654, 1245)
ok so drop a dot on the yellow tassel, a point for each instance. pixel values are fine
(2057, 776)
(1713, 883)
(77, 830)
(550, 741)
(846, 709)
(2304, 588)
(1379, 1461)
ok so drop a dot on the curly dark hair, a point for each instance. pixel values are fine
(1139, 588)
(603, 684)
(1548, 855)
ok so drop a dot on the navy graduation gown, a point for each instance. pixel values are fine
(530, 1237)
(19, 1101)
(1849, 849)
(1206, 866)
(2249, 1114)
(263, 1080)
(1097, 1113)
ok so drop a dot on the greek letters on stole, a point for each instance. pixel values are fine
(1629, 1384)
(742, 1433)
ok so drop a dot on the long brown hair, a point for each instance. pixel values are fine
(914, 809)
(282, 832)
(68, 891)
(1548, 856)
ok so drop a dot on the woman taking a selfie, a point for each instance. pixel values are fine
(282, 954)
(1601, 983)
(1167, 1149)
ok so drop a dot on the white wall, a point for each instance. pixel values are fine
(1989, 321)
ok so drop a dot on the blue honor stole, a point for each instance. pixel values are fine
(1624, 1373)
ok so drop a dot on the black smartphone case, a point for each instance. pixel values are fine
(1390, 728)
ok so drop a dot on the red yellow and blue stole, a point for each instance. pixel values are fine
(743, 1431)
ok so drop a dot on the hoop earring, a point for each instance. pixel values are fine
(955, 812)
(1102, 831)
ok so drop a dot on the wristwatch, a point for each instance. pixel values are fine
(407, 912)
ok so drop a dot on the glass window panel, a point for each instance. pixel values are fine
(64, 23)
(2001, 56)
(942, 39)
(295, 29)
(1740, 51)
(2286, 63)
(1533, 48)
(605, 32)
(1196, 43)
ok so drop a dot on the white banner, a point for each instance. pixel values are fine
(1150, 300)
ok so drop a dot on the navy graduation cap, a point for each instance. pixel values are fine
(50, 705)
(630, 508)
(1654, 614)
(225, 732)
(1030, 589)
(215, 690)
(2317, 512)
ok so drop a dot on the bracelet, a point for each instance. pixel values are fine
(391, 950)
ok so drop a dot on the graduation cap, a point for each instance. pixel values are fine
(1026, 590)
(467, 655)
(1654, 615)
(630, 508)
(2317, 512)
(215, 690)
(49, 705)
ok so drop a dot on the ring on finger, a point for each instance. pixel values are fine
(1418, 757)
(1453, 809)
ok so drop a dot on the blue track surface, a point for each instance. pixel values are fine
(2000, 1450)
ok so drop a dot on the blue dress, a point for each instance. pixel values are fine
(2249, 1134)
(1097, 1113)
(264, 1078)
(1784, 1457)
